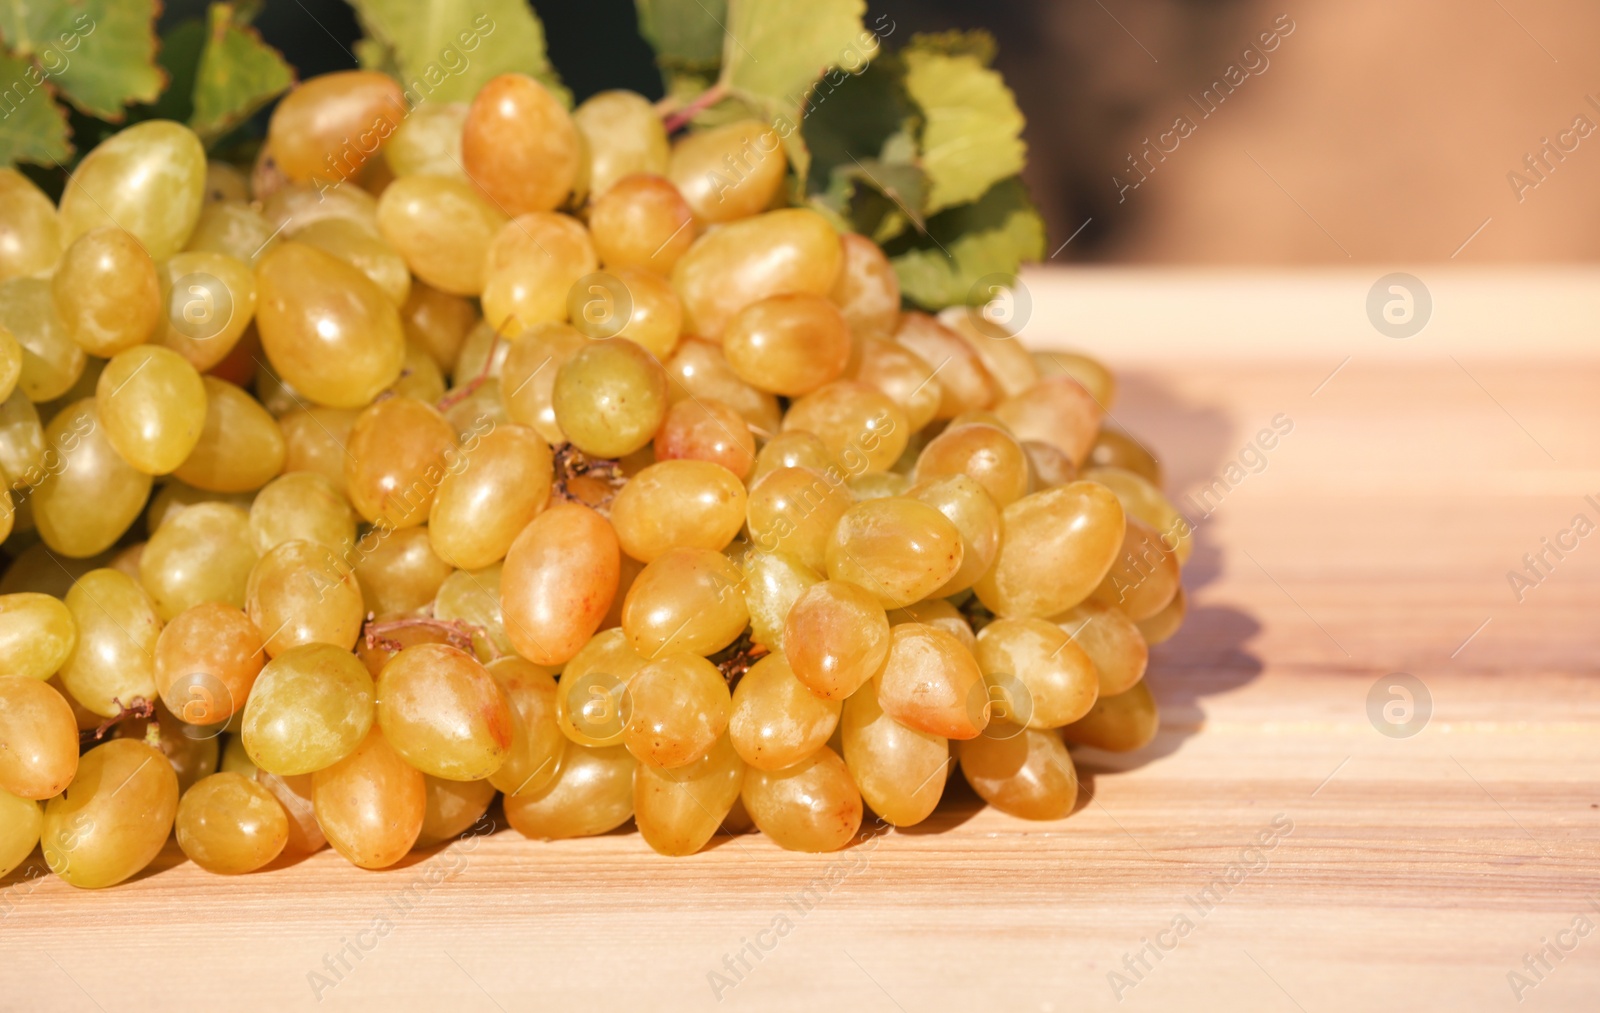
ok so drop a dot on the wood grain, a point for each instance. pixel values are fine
(1405, 873)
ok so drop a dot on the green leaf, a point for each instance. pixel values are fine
(237, 74)
(991, 236)
(181, 46)
(445, 50)
(687, 35)
(32, 127)
(972, 130)
(99, 54)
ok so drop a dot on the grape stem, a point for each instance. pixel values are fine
(735, 659)
(676, 116)
(458, 633)
(139, 708)
(572, 463)
(470, 388)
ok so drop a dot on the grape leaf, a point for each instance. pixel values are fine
(446, 50)
(181, 46)
(990, 236)
(687, 35)
(972, 130)
(99, 54)
(237, 74)
(32, 127)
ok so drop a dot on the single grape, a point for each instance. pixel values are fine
(438, 321)
(30, 232)
(776, 721)
(153, 406)
(536, 740)
(1037, 672)
(453, 808)
(727, 269)
(311, 706)
(398, 453)
(773, 582)
(788, 344)
(1112, 642)
(441, 225)
(37, 634)
(40, 735)
(1144, 501)
(813, 805)
(371, 803)
(316, 439)
(204, 554)
(1055, 410)
(558, 581)
(328, 126)
(21, 820)
(148, 179)
(965, 504)
(609, 398)
(678, 504)
(233, 227)
(1114, 448)
(592, 794)
(114, 818)
(1022, 772)
(1055, 547)
(641, 221)
(986, 454)
(901, 771)
(963, 379)
(1144, 577)
(623, 134)
(900, 374)
(473, 597)
(51, 361)
(112, 663)
(302, 506)
(1165, 623)
(688, 600)
(795, 510)
(730, 171)
(679, 708)
(861, 427)
(294, 794)
(301, 593)
(530, 268)
(228, 824)
(428, 142)
(501, 484)
(867, 289)
(1119, 723)
(519, 146)
(206, 661)
(240, 447)
(836, 637)
(444, 713)
(106, 291)
(208, 301)
(900, 550)
(678, 810)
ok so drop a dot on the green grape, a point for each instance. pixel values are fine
(519, 146)
(836, 637)
(867, 290)
(311, 706)
(153, 406)
(793, 449)
(396, 455)
(699, 371)
(30, 232)
(678, 504)
(862, 428)
(688, 600)
(536, 739)
(776, 721)
(301, 593)
(788, 344)
(372, 255)
(1055, 410)
(21, 819)
(901, 771)
(106, 292)
(1095, 377)
(795, 510)
(208, 300)
(679, 708)
(1165, 623)
(204, 554)
(240, 447)
(228, 824)
(453, 807)
(232, 227)
(114, 818)
(441, 225)
(428, 142)
(901, 375)
(1120, 722)
(1034, 668)
(149, 179)
(1021, 771)
(623, 134)
(964, 381)
(727, 269)
(678, 810)
(302, 506)
(51, 360)
(371, 803)
(37, 634)
(1111, 640)
(530, 268)
(444, 713)
(930, 682)
(773, 582)
(236, 761)
(558, 581)
(984, 453)
(206, 661)
(112, 663)
(965, 504)
(592, 705)
(473, 597)
(1055, 547)
(10, 363)
(592, 794)
(399, 574)
(641, 221)
(41, 739)
(503, 483)
(813, 805)
(728, 172)
(901, 550)
(528, 376)
(609, 398)
(706, 430)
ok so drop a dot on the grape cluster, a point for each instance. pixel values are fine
(538, 456)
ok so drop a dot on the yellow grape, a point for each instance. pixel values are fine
(240, 446)
(10, 363)
(438, 321)
(861, 427)
(901, 771)
(1048, 466)
(1055, 547)
(813, 805)
(836, 637)
(473, 596)
(51, 361)
(453, 807)
(699, 371)
(706, 430)
(879, 485)
(1095, 377)
(41, 739)
(21, 819)
(397, 456)
(776, 721)
(428, 142)
(592, 705)
(399, 572)
(296, 206)
(371, 804)
(1010, 365)
(441, 225)
(231, 825)
(1145, 501)
(327, 330)
(114, 818)
(609, 398)
(112, 664)
(519, 146)
(530, 268)
(1114, 448)
(679, 708)
(930, 682)
(149, 179)
(1021, 771)
(294, 794)
(727, 269)
(900, 550)
(236, 761)
(939, 613)
(30, 232)
(315, 440)
(592, 794)
(328, 126)
(963, 380)
(444, 713)
(641, 221)
(311, 706)
(623, 134)
(1044, 679)
(301, 593)
(206, 661)
(153, 406)
(204, 554)
(1111, 640)
(984, 453)
(773, 582)
(675, 504)
(1165, 623)
(559, 577)
(1055, 410)
(688, 600)
(232, 227)
(867, 289)
(965, 504)
(788, 344)
(1120, 723)
(899, 373)
(480, 509)
(208, 300)
(678, 810)
(106, 291)
(174, 496)
(795, 510)
(728, 172)
(1144, 576)
(528, 376)
(632, 303)
(302, 506)
(355, 245)
(794, 449)
(37, 633)
(536, 740)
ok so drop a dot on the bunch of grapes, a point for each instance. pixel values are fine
(482, 450)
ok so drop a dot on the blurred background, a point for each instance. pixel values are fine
(1362, 131)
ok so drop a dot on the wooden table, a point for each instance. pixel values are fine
(1408, 871)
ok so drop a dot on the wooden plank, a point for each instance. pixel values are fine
(1405, 873)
